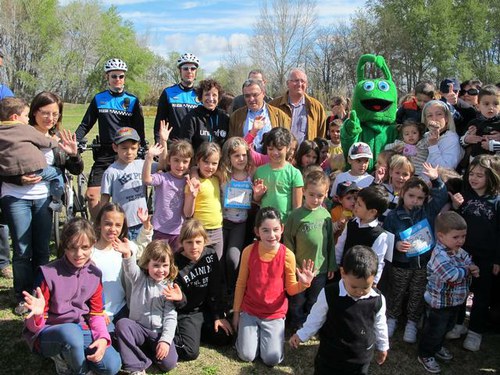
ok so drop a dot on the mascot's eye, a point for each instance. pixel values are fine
(368, 85)
(383, 86)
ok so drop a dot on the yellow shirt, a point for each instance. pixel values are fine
(207, 205)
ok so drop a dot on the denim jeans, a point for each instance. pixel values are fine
(72, 342)
(30, 224)
(4, 246)
(301, 303)
(133, 232)
(437, 323)
(54, 176)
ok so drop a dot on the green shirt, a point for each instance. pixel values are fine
(280, 184)
(309, 234)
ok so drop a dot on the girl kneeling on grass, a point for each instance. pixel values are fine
(66, 320)
(267, 271)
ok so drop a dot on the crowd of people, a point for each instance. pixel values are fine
(259, 215)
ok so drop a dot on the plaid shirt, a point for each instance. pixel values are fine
(448, 277)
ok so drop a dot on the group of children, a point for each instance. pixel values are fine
(169, 282)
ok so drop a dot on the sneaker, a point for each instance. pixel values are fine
(430, 364)
(391, 326)
(56, 206)
(444, 354)
(21, 309)
(62, 367)
(142, 372)
(457, 331)
(472, 341)
(410, 335)
(6, 273)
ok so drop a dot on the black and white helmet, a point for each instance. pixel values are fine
(115, 64)
(188, 58)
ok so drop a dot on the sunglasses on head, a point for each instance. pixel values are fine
(472, 92)
(115, 76)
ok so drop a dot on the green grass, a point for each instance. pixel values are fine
(15, 357)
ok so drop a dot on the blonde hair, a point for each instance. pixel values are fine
(450, 123)
(337, 162)
(193, 228)
(228, 149)
(159, 251)
(401, 161)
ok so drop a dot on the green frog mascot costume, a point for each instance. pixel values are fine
(374, 105)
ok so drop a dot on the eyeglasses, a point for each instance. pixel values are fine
(47, 114)
(298, 81)
(116, 76)
(252, 95)
(471, 92)
(187, 68)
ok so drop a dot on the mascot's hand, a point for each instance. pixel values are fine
(352, 125)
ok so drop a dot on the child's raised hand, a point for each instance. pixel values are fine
(380, 357)
(430, 171)
(307, 273)
(259, 189)
(100, 346)
(258, 124)
(193, 184)
(294, 341)
(403, 246)
(165, 131)
(223, 324)
(172, 292)
(155, 150)
(474, 270)
(144, 217)
(36, 304)
(122, 247)
(380, 174)
(162, 349)
(456, 200)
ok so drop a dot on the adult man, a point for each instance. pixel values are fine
(307, 114)
(177, 100)
(242, 120)
(113, 108)
(5, 92)
(256, 74)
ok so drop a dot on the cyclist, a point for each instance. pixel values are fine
(113, 108)
(177, 100)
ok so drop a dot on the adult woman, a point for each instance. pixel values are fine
(206, 123)
(469, 91)
(26, 207)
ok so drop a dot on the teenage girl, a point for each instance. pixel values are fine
(202, 196)
(146, 336)
(409, 274)
(66, 320)
(307, 154)
(267, 275)
(479, 205)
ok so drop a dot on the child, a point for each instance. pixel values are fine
(282, 183)
(307, 154)
(350, 318)
(416, 203)
(323, 151)
(66, 322)
(147, 334)
(479, 205)
(412, 145)
(340, 107)
(309, 234)
(442, 139)
(382, 165)
(169, 187)
(359, 158)
(237, 195)
(334, 132)
(336, 164)
(448, 274)
(201, 306)
(345, 197)
(202, 197)
(122, 181)
(20, 149)
(267, 271)
(365, 229)
(479, 130)
(412, 109)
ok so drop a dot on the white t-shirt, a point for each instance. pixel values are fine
(362, 181)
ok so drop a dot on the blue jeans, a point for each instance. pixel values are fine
(133, 232)
(4, 246)
(301, 304)
(30, 224)
(53, 175)
(72, 342)
(437, 323)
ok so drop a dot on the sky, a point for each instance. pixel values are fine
(207, 27)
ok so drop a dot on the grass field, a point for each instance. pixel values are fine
(15, 357)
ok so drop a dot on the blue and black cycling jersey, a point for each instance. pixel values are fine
(112, 111)
(174, 104)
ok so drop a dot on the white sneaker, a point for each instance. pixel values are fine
(142, 372)
(56, 206)
(473, 341)
(391, 326)
(410, 335)
(457, 331)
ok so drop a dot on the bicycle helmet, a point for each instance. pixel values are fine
(115, 64)
(188, 58)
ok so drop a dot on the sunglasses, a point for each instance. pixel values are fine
(116, 76)
(187, 68)
(472, 92)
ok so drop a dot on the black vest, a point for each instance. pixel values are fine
(348, 331)
(360, 236)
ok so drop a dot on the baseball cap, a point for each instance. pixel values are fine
(444, 85)
(345, 187)
(360, 150)
(126, 134)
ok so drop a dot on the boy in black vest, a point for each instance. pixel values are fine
(365, 228)
(350, 317)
